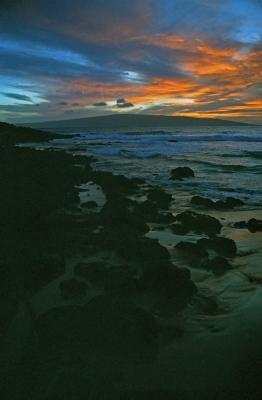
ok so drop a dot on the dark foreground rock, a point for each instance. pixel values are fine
(180, 173)
(222, 246)
(219, 265)
(120, 282)
(192, 249)
(93, 272)
(199, 223)
(253, 225)
(103, 326)
(115, 183)
(72, 288)
(227, 204)
(161, 198)
(89, 204)
(172, 286)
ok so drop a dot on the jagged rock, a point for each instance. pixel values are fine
(222, 246)
(218, 265)
(254, 225)
(120, 282)
(72, 288)
(206, 304)
(149, 212)
(122, 329)
(192, 249)
(199, 223)
(240, 225)
(142, 249)
(93, 272)
(40, 272)
(160, 197)
(172, 285)
(228, 203)
(116, 213)
(114, 183)
(89, 204)
(179, 229)
(202, 202)
(60, 329)
(180, 173)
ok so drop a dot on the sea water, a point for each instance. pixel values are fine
(226, 161)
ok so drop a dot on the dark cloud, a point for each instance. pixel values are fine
(18, 96)
(100, 104)
(122, 103)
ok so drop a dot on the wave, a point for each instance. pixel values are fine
(219, 138)
(162, 136)
(129, 154)
(231, 167)
(254, 154)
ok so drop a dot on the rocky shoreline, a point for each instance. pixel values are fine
(119, 294)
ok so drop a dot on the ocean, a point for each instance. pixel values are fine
(226, 162)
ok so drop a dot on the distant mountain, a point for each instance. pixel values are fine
(132, 121)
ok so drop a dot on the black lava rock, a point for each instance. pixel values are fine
(199, 223)
(72, 288)
(192, 249)
(222, 246)
(180, 173)
(93, 272)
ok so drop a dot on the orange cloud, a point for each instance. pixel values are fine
(211, 76)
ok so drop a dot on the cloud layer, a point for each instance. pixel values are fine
(193, 57)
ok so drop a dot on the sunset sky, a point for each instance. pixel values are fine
(64, 59)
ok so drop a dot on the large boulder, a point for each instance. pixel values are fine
(218, 265)
(254, 225)
(202, 202)
(160, 197)
(119, 212)
(171, 286)
(192, 249)
(180, 173)
(60, 329)
(38, 272)
(142, 250)
(222, 246)
(89, 204)
(94, 272)
(104, 326)
(226, 204)
(199, 223)
(119, 282)
(72, 288)
(115, 183)
(121, 329)
(148, 211)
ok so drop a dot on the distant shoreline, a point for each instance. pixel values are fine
(133, 121)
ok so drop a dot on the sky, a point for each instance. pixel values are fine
(64, 59)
